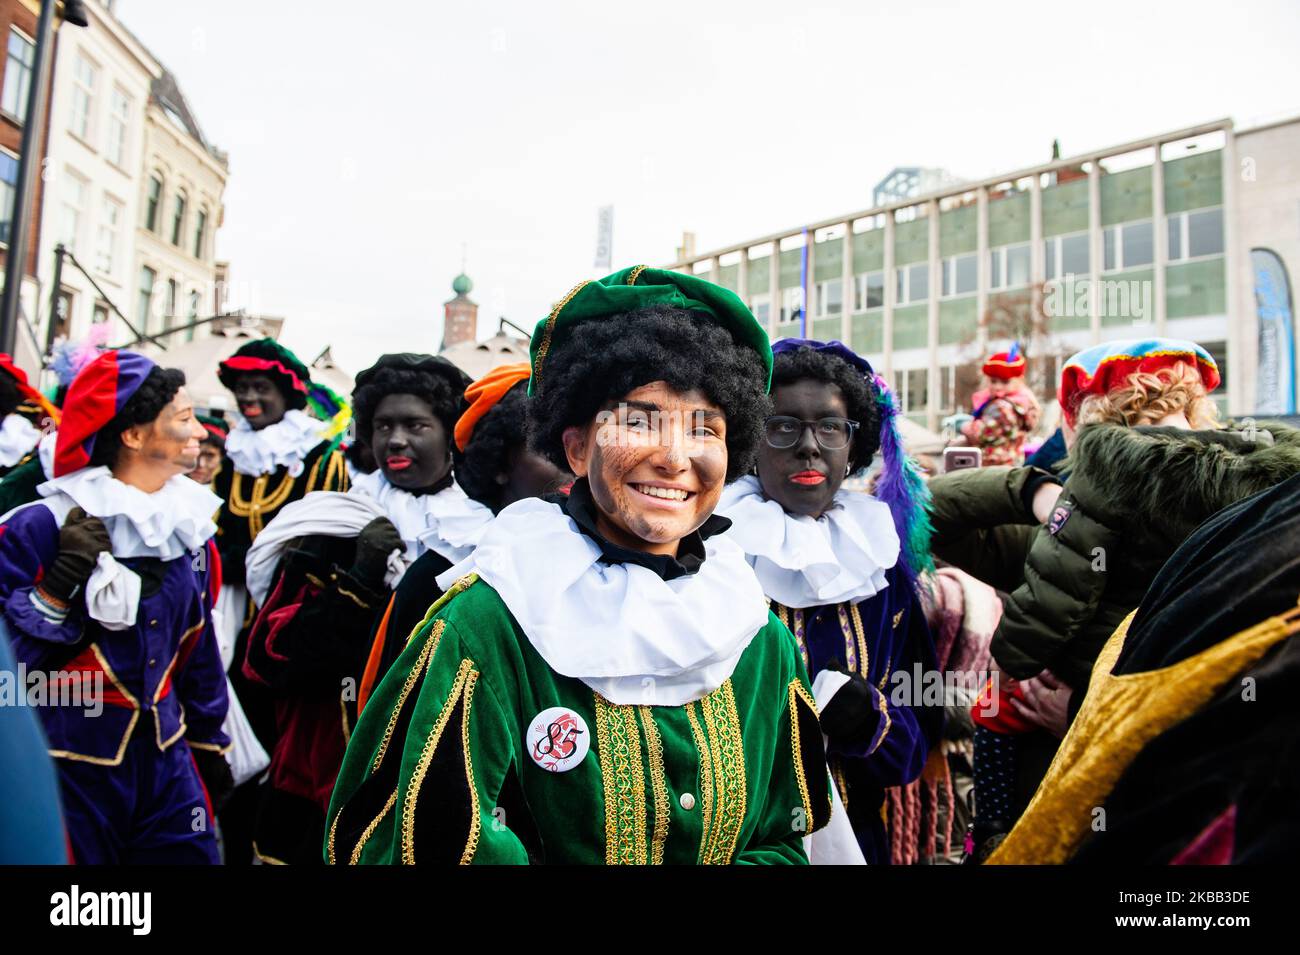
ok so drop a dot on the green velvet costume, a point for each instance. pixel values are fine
(439, 770)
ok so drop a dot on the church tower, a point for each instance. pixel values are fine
(460, 315)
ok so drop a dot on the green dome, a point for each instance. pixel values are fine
(461, 284)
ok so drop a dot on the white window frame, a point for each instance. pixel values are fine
(822, 287)
(998, 276)
(903, 289)
(860, 291)
(948, 276)
(764, 300)
(791, 302)
(1185, 236)
(83, 99)
(1117, 230)
(107, 264)
(1058, 244)
(13, 190)
(78, 211)
(200, 246)
(119, 126)
(19, 112)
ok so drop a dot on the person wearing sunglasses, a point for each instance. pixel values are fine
(840, 569)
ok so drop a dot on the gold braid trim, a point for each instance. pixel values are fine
(884, 713)
(426, 654)
(797, 692)
(475, 825)
(549, 330)
(334, 828)
(426, 757)
(624, 783)
(706, 779)
(864, 658)
(721, 717)
(369, 831)
(635, 274)
(461, 585)
(260, 503)
(1118, 718)
(658, 785)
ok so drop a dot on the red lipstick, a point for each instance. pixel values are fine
(398, 464)
(809, 478)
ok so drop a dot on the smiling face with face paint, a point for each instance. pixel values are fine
(656, 461)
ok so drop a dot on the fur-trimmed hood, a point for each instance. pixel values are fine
(1166, 481)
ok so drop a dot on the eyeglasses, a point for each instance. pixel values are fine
(831, 434)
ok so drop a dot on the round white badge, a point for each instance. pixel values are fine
(558, 739)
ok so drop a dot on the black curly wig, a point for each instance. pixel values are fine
(10, 396)
(154, 394)
(498, 434)
(436, 390)
(602, 360)
(808, 364)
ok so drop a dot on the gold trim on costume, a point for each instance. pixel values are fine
(723, 725)
(864, 657)
(130, 726)
(548, 330)
(658, 784)
(475, 824)
(355, 858)
(426, 757)
(1119, 717)
(259, 503)
(706, 779)
(461, 585)
(796, 693)
(426, 654)
(635, 274)
(619, 741)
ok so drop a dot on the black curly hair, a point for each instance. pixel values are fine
(154, 394)
(602, 360)
(436, 390)
(808, 364)
(10, 396)
(498, 434)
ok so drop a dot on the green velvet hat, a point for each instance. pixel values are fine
(640, 287)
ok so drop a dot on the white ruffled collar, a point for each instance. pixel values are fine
(175, 520)
(17, 438)
(283, 444)
(802, 562)
(621, 629)
(449, 522)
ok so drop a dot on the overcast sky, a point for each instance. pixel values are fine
(367, 151)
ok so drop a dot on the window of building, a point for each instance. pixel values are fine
(761, 306)
(99, 313)
(1009, 266)
(200, 232)
(913, 283)
(947, 389)
(8, 189)
(1193, 234)
(152, 202)
(870, 291)
(791, 304)
(178, 219)
(74, 205)
(119, 126)
(110, 222)
(145, 303)
(830, 301)
(918, 389)
(18, 75)
(193, 313)
(85, 75)
(1128, 246)
(1219, 352)
(959, 275)
(1066, 255)
(173, 291)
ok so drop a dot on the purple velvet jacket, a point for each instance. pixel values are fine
(162, 676)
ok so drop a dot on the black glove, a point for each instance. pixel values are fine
(214, 770)
(849, 717)
(81, 541)
(376, 541)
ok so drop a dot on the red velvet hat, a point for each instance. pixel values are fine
(94, 398)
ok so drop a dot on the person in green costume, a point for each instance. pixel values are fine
(603, 682)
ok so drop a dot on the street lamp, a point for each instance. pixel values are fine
(74, 12)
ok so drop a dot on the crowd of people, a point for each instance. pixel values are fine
(618, 604)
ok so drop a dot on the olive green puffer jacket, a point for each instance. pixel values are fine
(1132, 496)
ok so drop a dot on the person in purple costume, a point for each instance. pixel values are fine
(107, 585)
(840, 569)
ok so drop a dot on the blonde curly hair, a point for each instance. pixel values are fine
(1149, 396)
